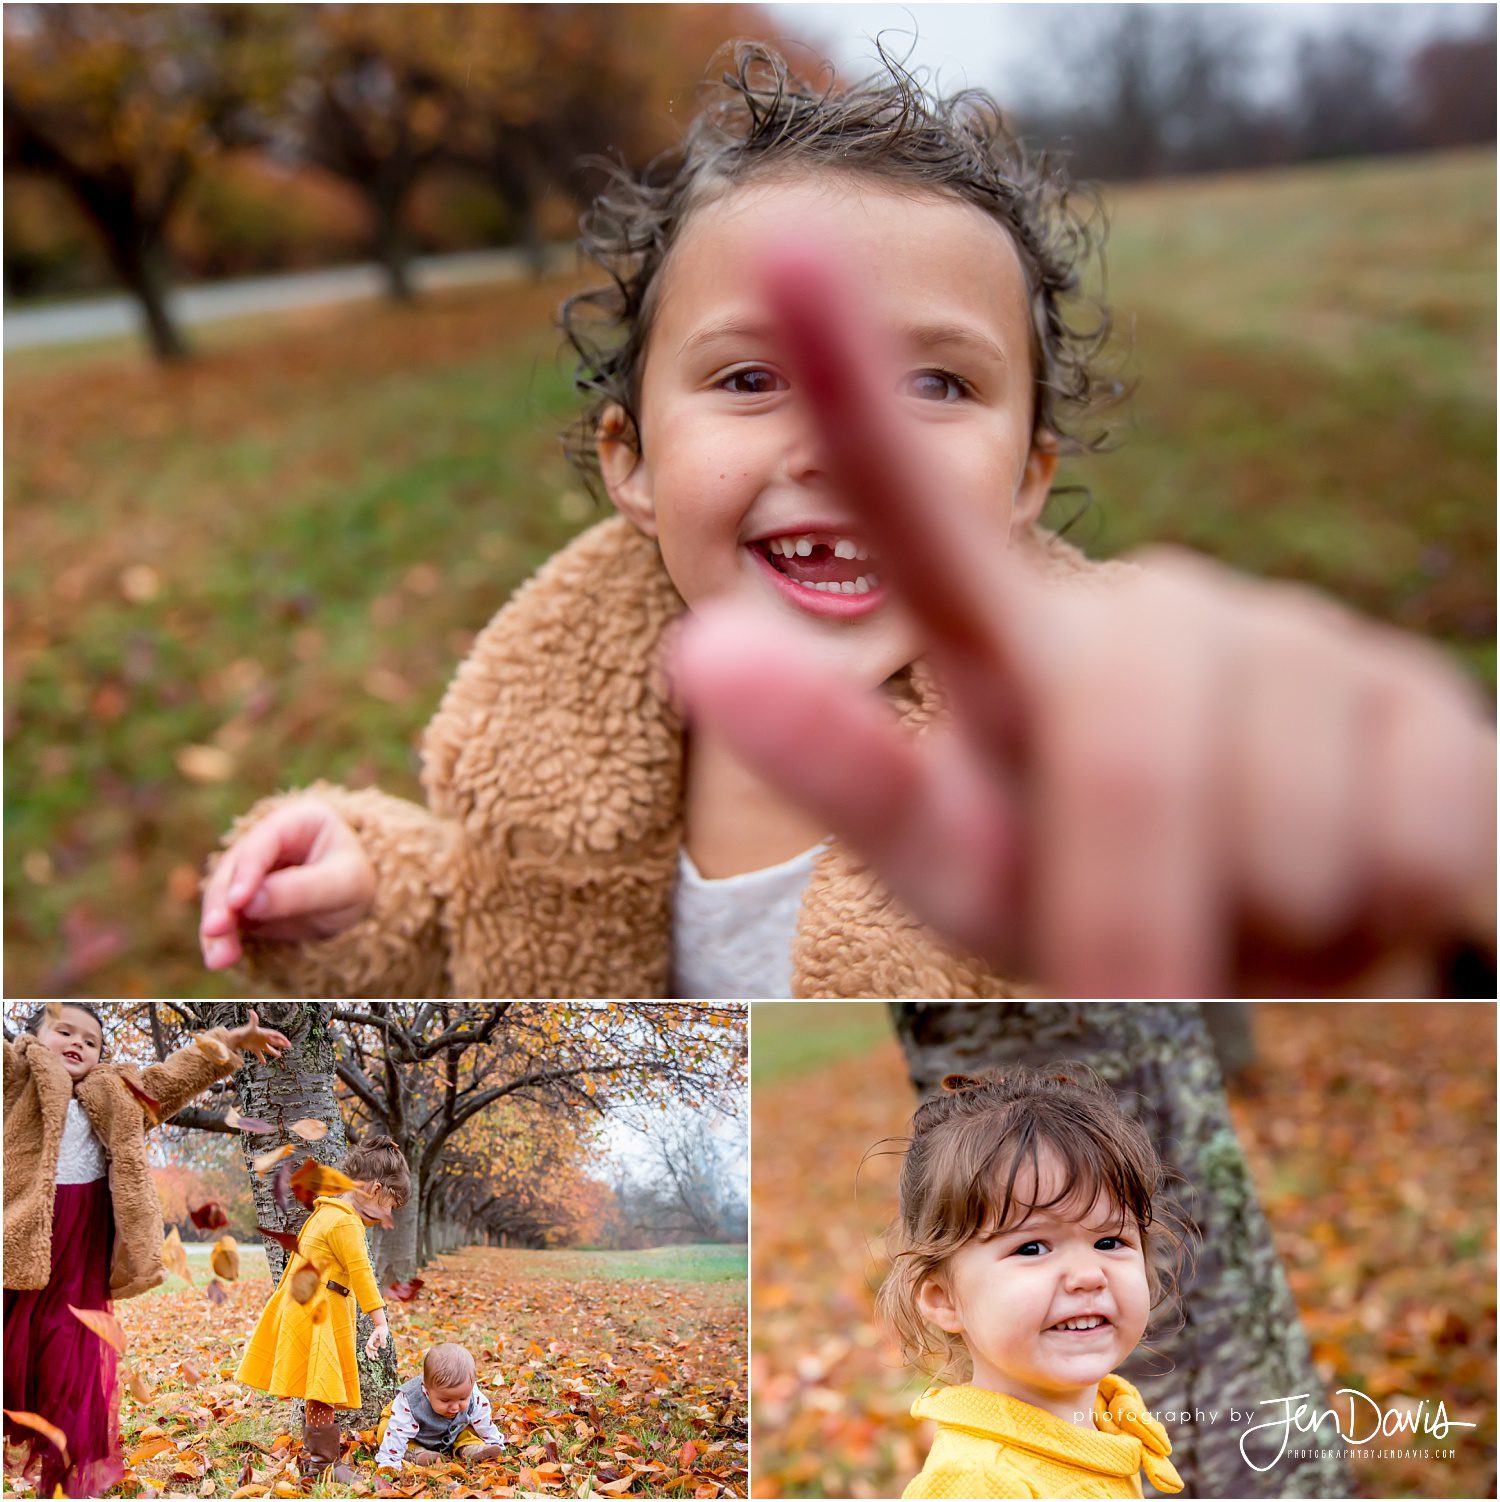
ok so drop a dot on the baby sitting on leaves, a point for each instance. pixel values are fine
(442, 1412)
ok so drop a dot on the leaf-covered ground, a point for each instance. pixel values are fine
(262, 568)
(611, 1374)
(1370, 1130)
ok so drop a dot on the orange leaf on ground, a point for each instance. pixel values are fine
(687, 1455)
(42, 1426)
(105, 1326)
(150, 1449)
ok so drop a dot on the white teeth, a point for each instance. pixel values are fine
(804, 547)
(861, 553)
(843, 548)
(1092, 1322)
(862, 585)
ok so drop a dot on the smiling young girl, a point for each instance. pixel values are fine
(83, 1224)
(1033, 1245)
(934, 751)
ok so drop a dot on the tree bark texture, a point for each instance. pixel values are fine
(297, 1086)
(1242, 1342)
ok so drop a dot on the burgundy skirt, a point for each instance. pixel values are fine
(55, 1366)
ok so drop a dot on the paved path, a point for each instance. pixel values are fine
(110, 317)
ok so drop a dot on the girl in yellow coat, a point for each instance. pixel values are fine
(304, 1344)
(1029, 1249)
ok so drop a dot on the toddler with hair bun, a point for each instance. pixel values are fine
(1032, 1246)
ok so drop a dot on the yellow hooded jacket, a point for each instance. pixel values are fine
(991, 1445)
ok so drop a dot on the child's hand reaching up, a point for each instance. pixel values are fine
(300, 873)
(1186, 783)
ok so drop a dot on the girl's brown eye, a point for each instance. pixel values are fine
(753, 382)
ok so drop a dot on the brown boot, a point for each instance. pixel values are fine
(474, 1454)
(322, 1444)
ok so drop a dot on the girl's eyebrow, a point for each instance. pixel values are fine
(923, 335)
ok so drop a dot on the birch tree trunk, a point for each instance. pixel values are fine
(297, 1086)
(1242, 1343)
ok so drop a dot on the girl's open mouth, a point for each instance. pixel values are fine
(826, 573)
(1085, 1324)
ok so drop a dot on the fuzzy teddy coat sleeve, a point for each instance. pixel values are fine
(400, 948)
(189, 1071)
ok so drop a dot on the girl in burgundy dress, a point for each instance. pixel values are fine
(83, 1224)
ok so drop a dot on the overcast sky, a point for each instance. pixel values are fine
(1000, 47)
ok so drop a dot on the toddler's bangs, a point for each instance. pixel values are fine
(1086, 1172)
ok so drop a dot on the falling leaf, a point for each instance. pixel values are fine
(205, 763)
(208, 1215)
(284, 1239)
(310, 1130)
(248, 1123)
(404, 1292)
(53, 1010)
(42, 1427)
(217, 1293)
(190, 1373)
(313, 1179)
(206, 1043)
(105, 1326)
(319, 1311)
(174, 1256)
(225, 1259)
(305, 1283)
(140, 1389)
(270, 1159)
(281, 1188)
(149, 1104)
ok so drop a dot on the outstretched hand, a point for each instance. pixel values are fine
(1178, 783)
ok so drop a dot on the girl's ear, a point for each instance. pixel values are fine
(937, 1305)
(1036, 482)
(625, 473)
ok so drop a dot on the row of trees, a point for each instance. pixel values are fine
(125, 105)
(1136, 91)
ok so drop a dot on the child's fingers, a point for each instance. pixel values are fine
(936, 825)
(958, 587)
(1126, 878)
(284, 838)
(299, 891)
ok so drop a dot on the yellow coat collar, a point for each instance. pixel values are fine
(1126, 1438)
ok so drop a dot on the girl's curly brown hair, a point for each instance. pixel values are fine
(966, 1150)
(762, 120)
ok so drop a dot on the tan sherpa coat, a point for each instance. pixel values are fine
(37, 1091)
(544, 863)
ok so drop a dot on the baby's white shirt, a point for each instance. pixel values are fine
(732, 937)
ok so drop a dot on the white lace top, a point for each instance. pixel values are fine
(732, 937)
(81, 1159)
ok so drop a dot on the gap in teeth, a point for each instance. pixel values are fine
(802, 546)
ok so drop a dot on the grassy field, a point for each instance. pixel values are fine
(617, 1370)
(263, 567)
(704, 1263)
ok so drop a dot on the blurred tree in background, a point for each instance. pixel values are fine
(125, 105)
